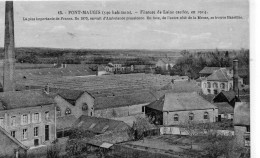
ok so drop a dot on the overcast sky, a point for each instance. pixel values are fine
(182, 34)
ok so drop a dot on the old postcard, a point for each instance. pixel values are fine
(125, 79)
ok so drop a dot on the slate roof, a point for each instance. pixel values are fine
(224, 108)
(181, 102)
(209, 70)
(229, 95)
(65, 122)
(219, 75)
(182, 86)
(242, 114)
(124, 100)
(99, 125)
(23, 99)
(13, 139)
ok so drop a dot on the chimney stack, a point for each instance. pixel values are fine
(9, 60)
(235, 75)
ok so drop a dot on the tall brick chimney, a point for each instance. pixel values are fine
(9, 60)
(235, 75)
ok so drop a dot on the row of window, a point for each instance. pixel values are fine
(215, 85)
(191, 116)
(25, 133)
(67, 111)
(25, 119)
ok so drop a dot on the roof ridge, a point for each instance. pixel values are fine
(223, 74)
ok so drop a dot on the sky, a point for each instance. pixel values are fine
(148, 34)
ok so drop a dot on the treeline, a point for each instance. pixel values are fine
(192, 63)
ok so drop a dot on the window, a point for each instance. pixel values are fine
(68, 111)
(36, 131)
(25, 133)
(36, 118)
(58, 111)
(230, 86)
(206, 115)
(191, 116)
(247, 128)
(92, 125)
(215, 85)
(13, 134)
(208, 83)
(84, 106)
(47, 115)
(209, 91)
(247, 140)
(215, 91)
(25, 119)
(2, 122)
(222, 85)
(176, 117)
(12, 121)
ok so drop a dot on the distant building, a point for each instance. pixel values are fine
(177, 108)
(242, 123)
(28, 116)
(10, 146)
(165, 63)
(219, 80)
(225, 111)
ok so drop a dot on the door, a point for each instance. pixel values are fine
(47, 132)
(36, 142)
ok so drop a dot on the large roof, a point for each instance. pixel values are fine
(99, 125)
(219, 75)
(4, 132)
(23, 99)
(168, 60)
(124, 100)
(65, 122)
(181, 102)
(209, 70)
(242, 114)
(182, 86)
(224, 108)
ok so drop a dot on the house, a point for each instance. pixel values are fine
(177, 108)
(165, 63)
(11, 147)
(101, 70)
(71, 102)
(28, 116)
(242, 123)
(219, 80)
(225, 111)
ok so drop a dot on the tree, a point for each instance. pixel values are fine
(192, 128)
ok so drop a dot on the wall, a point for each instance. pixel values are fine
(76, 109)
(120, 111)
(239, 135)
(8, 148)
(7, 114)
(178, 131)
(205, 89)
(86, 99)
(168, 117)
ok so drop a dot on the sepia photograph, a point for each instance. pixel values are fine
(125, 79)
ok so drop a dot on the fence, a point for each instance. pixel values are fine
(179, 131)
